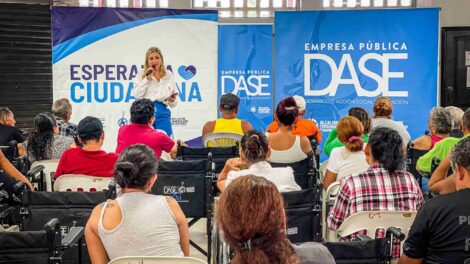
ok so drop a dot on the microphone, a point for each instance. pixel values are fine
(149, 71)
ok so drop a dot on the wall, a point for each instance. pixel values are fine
(454, 13)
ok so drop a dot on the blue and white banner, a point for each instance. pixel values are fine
(245, 69)
(97, 52)
(342, 59)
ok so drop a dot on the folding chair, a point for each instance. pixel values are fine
(156, 260)
(305, 172)
(371, 221)
(45, 246)
(221, 139)
(303, 211)
(45, 179)
(81, 183)
(71, 208)
(190, 184)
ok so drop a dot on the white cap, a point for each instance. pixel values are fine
(301, 104)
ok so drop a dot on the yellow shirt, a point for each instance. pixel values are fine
(233, 125)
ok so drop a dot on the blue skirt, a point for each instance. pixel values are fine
(162, 118)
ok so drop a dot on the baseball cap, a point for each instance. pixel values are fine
(300, 101)
(229, 101)
(89, 127)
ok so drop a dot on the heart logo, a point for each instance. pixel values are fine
(187, 72)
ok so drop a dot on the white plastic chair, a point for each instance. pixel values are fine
(85, 183)
(371, 221)
(50, 167)
(221, 139)
(156, 260)
(329, 199)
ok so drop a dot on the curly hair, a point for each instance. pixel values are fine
(142, 110)
(441, 120)
(250, 214)
(41, 137)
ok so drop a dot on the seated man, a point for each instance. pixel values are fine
(8, 131)
(303, 127)
(441, 230)
(62, 110)
(229, 121)
(442, 148)
(89, 159)
(142, 132)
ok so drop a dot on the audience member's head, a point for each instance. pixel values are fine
(62, 109)
(136, 167)
(440, 121)
(254, 147)
(251, 215)
(383, 107)
(385, 147)
(40, 138)
(142, 111)
(460, 160)
(350, 130)
(466, 121)
(90, 129)
(456, 114)
(229, 103)
(287, 112)
(363, 116)
(301, 104)
(6, 117)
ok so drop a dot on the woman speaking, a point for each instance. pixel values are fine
(157, 84)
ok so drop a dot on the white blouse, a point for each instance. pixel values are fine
(154, 89)
(283, 178)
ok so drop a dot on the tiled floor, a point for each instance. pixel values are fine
(197, 233)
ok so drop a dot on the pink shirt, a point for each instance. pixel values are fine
(143, 134)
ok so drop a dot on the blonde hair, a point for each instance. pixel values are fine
(146, 63)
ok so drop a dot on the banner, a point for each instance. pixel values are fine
(245, 69)
(97, 53)
(343, 59)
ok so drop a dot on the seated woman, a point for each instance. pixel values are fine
(255, 231)
(350, 158)
(254, 151)
(286, 147)
(360, 113)
(137, 223)
(44, 142)
(439, 124)
(384, 186)
(383, 118)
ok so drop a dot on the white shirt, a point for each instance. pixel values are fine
(154, 89)
(344, 162)
(392, 124)
(283, 178)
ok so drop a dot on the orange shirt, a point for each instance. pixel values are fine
(303, 127)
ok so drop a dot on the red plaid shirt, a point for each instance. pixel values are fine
(375, 190)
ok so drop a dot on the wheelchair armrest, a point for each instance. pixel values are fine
(52, 224)
(74, 235)
(6, 212)
(362, 237)
(20, 186)
(33, 171)
(393, 231)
